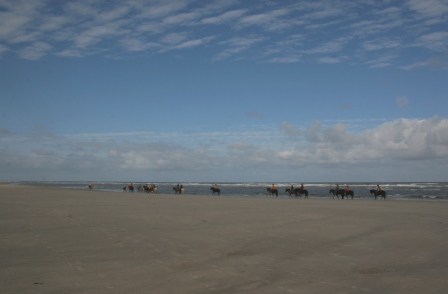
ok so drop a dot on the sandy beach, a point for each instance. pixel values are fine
(77, 241)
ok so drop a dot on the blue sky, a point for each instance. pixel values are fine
(151, 90)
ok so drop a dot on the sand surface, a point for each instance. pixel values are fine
(75, 241)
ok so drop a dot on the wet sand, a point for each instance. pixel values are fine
(78, 241)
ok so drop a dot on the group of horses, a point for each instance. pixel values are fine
(342, 192)
(345, 193)
(146, 188)
(297, 193)
(336, 193)
(291, 192)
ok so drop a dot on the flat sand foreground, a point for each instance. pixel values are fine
(75, 241)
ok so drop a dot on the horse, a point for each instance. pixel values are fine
(272, 192)
(178, 190)
(381, 193)
(215, 190)
(140, 189)
(337, 193)
(350, 192)
(299, 192)
(150, 189)
(290, 192)
(128, 188)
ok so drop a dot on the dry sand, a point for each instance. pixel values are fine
(75, 241)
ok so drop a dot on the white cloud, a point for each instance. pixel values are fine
(236, 45)
(380, 44)
(192, 43)
(263, 19)
(136, 45)
(181, 18)
(429, 8)
(286, 59)
(437, 41)
(3, 49)
(400, 140)
(69, 53)
(382, 61)
(17, 16)
(174, 38)
(160, 9)
(97, 34)
(35, 51)
(414, 65)
(329, 47)
(225, 17)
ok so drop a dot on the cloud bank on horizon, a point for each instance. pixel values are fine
(255, 155)
(234, 90)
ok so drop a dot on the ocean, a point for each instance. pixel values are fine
(431, 191)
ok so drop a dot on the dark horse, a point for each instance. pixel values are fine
(272, 192)
(129, 188)
(337, 193)
(178, 190)
(378, 193)
(215, 190)
(351, 193)
(297, 192)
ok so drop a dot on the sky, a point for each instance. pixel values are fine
(224, 91)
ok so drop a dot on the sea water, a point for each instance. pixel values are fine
(394, 190)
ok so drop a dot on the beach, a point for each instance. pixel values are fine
(56, 240)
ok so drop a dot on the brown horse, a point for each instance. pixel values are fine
(179, 190)
(128, 188)
(150, 189)
(272, 192)
(290, 192)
